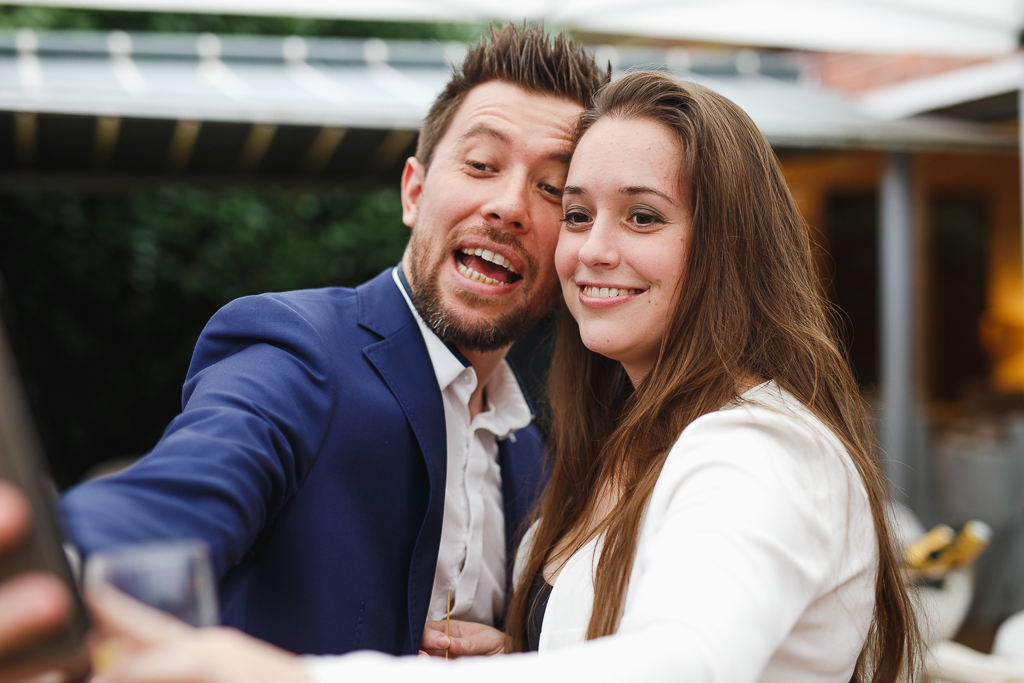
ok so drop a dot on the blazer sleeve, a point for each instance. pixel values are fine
(256, 405)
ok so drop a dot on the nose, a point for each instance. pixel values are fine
(509, 208)
(599, 250)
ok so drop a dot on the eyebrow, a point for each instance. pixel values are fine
(634, 190)
(481, 130)
(576, 190)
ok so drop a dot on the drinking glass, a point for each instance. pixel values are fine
(173, 576)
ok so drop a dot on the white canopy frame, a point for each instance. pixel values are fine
(945, 27)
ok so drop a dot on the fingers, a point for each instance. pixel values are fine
(471, 646)
(32, 606)
(174, 662)
(119, 615)
(466, 640)
(15, 516)
(434, 640)
(53, 676)
(214, 655)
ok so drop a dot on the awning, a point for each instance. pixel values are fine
(983, 92)
(942, 27)
(143, 106)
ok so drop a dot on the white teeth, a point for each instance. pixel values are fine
(474, 275)
(488, 255)
(606, 292)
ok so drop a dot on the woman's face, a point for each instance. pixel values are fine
(625, 238)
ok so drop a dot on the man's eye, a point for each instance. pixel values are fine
(478, 166)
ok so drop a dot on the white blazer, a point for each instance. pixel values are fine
(756, 562)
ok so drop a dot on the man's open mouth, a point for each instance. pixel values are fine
(483, 265)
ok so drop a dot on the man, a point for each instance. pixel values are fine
(352, 456)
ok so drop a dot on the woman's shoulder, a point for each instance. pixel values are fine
(767, 465)
(768, 436)
(768, 417)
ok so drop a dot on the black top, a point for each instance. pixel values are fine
(537, 604)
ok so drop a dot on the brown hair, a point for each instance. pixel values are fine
(524, 57)
(752, 308)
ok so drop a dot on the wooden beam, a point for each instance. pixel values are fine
(323, 148)
(256, 146)
(108, 128)
(25, 138)
(183, 142)
(391, 148)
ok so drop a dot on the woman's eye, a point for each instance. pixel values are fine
(574, 218)
(644, 218)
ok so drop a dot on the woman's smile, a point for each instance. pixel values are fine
(602, 295)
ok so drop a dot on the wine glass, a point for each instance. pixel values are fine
(173, 576)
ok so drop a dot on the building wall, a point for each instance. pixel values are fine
(996, 178)
(857, 73)
(992, 178)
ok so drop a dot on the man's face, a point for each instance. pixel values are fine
(485, 216)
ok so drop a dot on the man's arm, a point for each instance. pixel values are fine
(256, 405)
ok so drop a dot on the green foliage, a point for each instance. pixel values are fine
(60, 18)
(107, 295)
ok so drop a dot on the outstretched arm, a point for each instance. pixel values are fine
(255, 405)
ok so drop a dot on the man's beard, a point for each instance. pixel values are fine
(485, 335)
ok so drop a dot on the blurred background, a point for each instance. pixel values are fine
(158, 159)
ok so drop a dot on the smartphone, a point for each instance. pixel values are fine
(22, 463)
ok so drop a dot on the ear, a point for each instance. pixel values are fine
(412, 189)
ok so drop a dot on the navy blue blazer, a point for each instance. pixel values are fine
(310, 454)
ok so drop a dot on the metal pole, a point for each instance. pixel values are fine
(896, 293)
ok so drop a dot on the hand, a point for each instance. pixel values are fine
(148, 646)
(467, 640)
(32, 605)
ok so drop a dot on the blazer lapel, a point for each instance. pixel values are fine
(402, 360)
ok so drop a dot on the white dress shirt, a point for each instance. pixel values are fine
(756, 562)
(471, 560)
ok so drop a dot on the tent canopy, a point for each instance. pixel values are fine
(345, 110)
(944, 27)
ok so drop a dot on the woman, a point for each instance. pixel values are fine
(714, 503)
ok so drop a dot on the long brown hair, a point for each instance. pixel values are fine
(751, 307)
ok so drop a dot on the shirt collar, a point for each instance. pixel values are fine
(507, 406)
(448, 362)
(508, 409)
